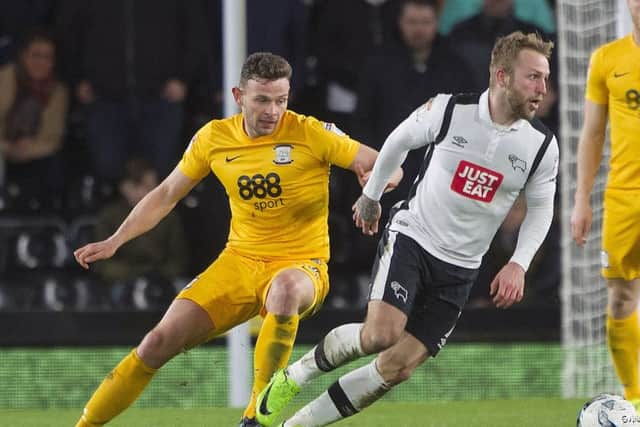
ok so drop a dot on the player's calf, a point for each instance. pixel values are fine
(349, 395)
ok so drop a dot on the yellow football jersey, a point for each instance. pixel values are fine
(614, 79)
(278, 184)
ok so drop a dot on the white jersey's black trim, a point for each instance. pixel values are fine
(462, 99)
(548, 136)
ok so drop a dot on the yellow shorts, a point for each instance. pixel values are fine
(234, 288)
(621, 235)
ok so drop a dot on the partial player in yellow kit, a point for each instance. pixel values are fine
(274, 165)
(613, 90)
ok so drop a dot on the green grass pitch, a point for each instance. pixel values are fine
(470, 385)
(487, 413)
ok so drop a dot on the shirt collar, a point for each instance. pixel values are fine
(485, 116)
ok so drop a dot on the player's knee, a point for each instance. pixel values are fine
(284, 293)
(156, 347)
(377, 339)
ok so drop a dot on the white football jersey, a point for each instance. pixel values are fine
(472, 173)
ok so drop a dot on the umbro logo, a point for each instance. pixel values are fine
(517, 163)
(231, 159)
(459, 141)
(616, 75)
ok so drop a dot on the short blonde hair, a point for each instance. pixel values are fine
(506, 49)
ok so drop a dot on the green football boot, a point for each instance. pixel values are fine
(275, 396)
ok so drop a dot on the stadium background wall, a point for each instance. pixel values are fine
(497, 364)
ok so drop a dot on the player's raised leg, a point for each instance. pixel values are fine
(382, 329)
(184, 325)
(361, 387)
(292, 292)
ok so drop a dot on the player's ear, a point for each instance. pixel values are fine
(237, 95)
(502, 77)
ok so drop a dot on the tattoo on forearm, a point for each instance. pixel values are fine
(369, 209)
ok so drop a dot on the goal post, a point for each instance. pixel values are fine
(583, 25)
(235, 51)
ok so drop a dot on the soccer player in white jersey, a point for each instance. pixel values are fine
(484, 150)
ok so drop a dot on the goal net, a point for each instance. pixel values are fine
(583, 25)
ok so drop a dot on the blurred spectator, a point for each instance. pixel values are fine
(342, 35)
(15, 16)
(160, 252)
(279, 26)
(131, 63)
(205, 96)
(537, 12)
(401, 76)
(474, 37)
(33, 108)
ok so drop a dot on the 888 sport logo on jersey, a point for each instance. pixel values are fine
(266, 188)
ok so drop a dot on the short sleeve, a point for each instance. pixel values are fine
(332, 145)
(597, 90)
(194, 162)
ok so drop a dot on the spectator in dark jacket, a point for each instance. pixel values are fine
(343, 33)
(401, 76)
(473, 38)
(278, 26)
(130, 63)
(397, 78)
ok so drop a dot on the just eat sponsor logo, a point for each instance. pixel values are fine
(476, 182)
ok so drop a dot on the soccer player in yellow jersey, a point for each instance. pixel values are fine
(613, 89)
(274, 165)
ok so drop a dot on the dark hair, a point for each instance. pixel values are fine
(264, 66)
(424, 3)
(136, 168)
(35, 35)
(24, 117)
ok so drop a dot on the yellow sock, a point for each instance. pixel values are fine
(118, 390)
(272, 352)
(624, 341)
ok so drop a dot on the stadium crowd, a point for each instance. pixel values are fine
(99, 98)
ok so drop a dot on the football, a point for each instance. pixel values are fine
(608, 410)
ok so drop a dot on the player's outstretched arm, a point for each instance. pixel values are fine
(508, 285)
(589, 157)
(363, 164)
(143, 217)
